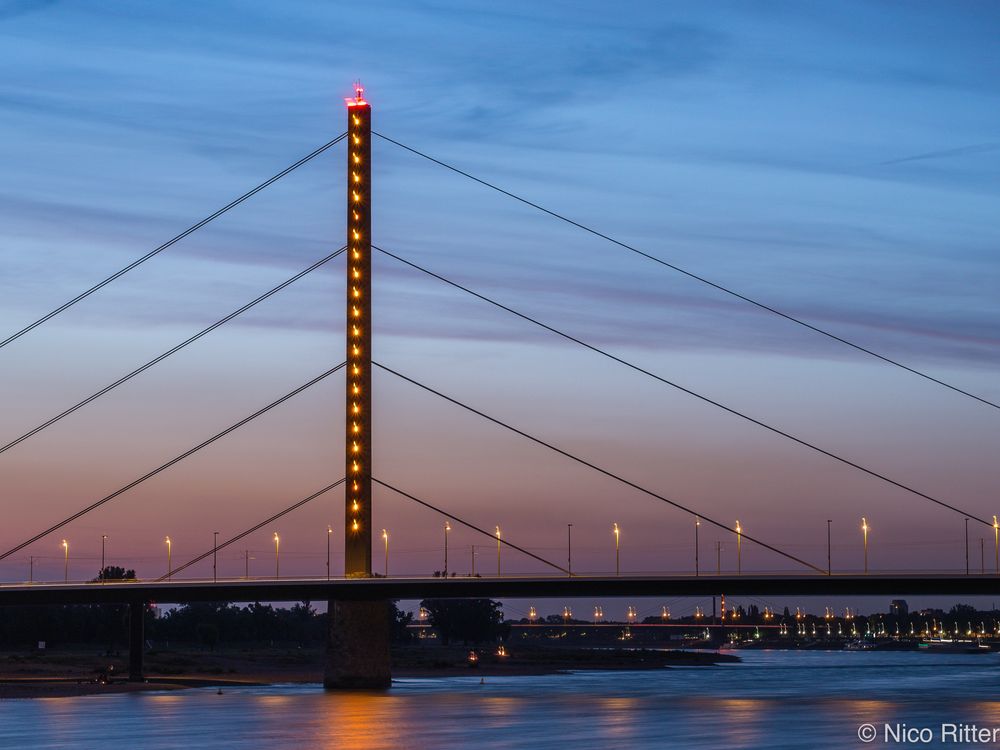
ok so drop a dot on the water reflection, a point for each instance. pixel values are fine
(740, 721)
(777, 700)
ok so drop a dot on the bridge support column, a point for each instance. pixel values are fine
(357, 646)
(136, 640)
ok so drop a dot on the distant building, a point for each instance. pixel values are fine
(899, 608)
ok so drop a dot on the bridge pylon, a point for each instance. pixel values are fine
(357, 654)
(358, 437)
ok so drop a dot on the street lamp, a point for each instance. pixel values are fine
(617, 532)
(739, 549)
(215, 555)
(569, 548)
(447, 528)
(65, 546)
(498, 551)
(996, 543)
(697, 525)
(829, 557)
(104, 538)
(864, 529)
(277, 541)
(385, 537)
(169, 563)
(966, 546)
(329, 533)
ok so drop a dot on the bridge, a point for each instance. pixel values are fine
(359, 615)
(519, 587)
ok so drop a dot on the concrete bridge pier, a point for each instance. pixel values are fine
(357, 645)
(136, 639)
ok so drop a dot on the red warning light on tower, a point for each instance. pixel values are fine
(358, 100)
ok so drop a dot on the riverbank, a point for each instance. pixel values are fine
(70, 672)
(416, 661)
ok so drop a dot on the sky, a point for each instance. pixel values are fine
(835, 161)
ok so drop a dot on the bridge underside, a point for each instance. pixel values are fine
(385, 589)
(360, 621)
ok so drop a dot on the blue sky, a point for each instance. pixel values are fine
(836, 160)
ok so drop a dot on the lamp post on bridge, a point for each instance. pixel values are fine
(104, 539)
(569, 549)
(966, 546)
(215, 556)
(447, 528)
(617, 532)
(739, 549)
(498, 551)
(385, 537)
(170, 569)
(277, 561)
(65, 546)
(829, 548)
(329, 533)
(697, 525)
(864, 529)
(996, 543)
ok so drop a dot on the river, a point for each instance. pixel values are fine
(774, 699)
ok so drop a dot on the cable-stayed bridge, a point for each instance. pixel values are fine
(359, 626)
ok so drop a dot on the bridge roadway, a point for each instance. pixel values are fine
(521, 587)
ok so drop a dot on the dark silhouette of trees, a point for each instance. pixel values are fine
(115, 573)
(400, 625)
(466, 620)
(962, 612)
(208, 623)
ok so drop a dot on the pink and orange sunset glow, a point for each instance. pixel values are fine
(866, 250)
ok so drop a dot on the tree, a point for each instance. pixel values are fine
(962, 611)
(467, 620)
(208, 633)
(400, 625)
(115, 573)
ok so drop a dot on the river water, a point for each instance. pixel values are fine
(774, 699)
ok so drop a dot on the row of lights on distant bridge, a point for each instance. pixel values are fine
(616, 533)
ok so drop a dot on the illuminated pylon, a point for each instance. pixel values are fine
(358, 496)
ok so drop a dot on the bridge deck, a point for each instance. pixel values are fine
(298, 589)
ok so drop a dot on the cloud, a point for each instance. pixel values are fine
(14, 8)
(979, 148)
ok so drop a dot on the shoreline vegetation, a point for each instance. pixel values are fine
(82, 671)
